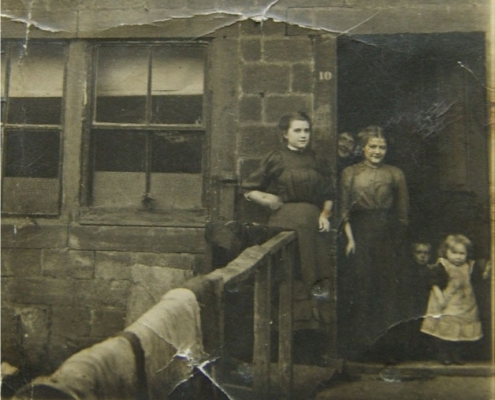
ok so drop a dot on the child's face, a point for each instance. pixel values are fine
(422, 253)
(457, 254)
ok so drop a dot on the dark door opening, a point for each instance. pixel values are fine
(427, 91)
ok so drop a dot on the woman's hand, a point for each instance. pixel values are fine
(488, 270)
(265, 199)
(350, 248)
(323, 223)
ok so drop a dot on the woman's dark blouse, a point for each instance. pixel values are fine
(294, 176)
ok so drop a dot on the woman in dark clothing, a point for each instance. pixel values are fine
(375, 214)
(292, 183)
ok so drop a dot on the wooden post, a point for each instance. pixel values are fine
(285, 323)
(262, 328)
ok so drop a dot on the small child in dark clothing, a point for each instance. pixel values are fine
(420, 276)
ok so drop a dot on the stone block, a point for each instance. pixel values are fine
(260, 78)
(288, 49)
(10, 336)
(258, 141)
(247, 166)
(38, 291)
(70, 321)
(77, 264)
(207, 5)
(251, 49)
(34, 330)
(21, 262)
(298, 18)
(167, 4)
(117, 265)
(136, 238)
(34, 236)
(250, 109)
(173, 260)
(302, 78)
(149, 285)
(102, 292)
(277, 106)
(107, 322)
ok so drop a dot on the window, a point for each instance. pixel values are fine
(147, 130)
(32, 103)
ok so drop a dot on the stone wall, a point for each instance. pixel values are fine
(58, 300)
(67, 284)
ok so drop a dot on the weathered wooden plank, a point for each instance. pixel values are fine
(278, 242)
(262, 327)
(285, 323)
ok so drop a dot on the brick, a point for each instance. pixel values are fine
(68, 263)
(277, 106)
(302, 78)
(265, 79)
(250, 109)
(127, 238)
(21, 262)
(38, 291)
(251, 49)
(70, 321)
(102, 292)
(258, 141)
(34, 236)
(107, 322)
(288, 49)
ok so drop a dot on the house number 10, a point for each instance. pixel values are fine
(325, 75)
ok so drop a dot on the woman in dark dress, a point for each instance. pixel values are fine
(375, 203)
(294, 185)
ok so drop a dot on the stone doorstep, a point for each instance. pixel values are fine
(469, 369)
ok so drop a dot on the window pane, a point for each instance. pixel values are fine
(35, 110)
(34, 154)
(122, 151)
(36, 84)
(177, 85)
(177, 152)
(122, 84)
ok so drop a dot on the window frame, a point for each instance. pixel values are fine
(8, 45)
(142, 216)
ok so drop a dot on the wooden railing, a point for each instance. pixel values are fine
(274, 258)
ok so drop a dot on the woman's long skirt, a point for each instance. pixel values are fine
(314, 288)
(375, 268)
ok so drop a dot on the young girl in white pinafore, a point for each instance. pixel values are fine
(452, 315)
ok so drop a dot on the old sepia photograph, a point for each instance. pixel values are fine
(247, 199)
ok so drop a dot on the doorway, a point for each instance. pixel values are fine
(427, 91)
